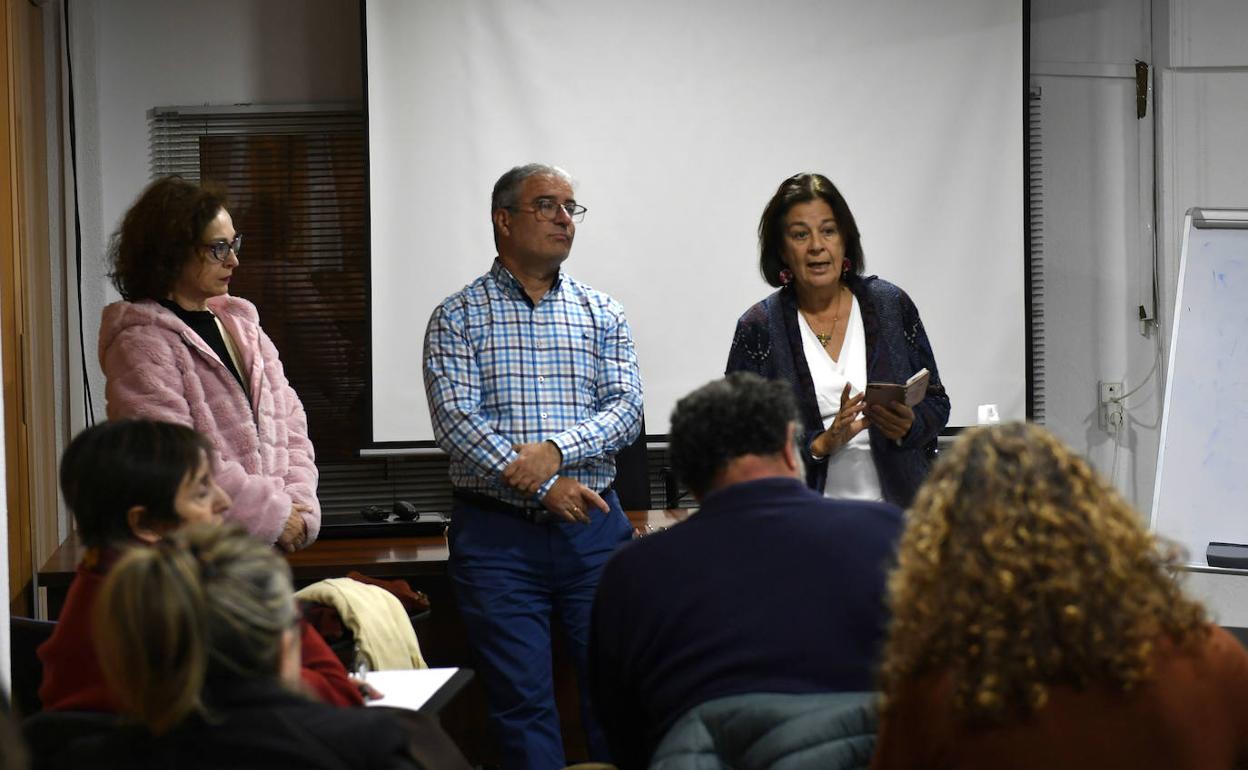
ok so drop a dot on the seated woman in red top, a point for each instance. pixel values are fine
(129, 483)
(1038, 624)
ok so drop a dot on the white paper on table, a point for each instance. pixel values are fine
(407, 688)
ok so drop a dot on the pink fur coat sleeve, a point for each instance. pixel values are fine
(157, 368)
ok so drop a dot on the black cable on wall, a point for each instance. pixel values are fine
(88, 406)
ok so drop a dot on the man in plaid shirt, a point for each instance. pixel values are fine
(533, 387)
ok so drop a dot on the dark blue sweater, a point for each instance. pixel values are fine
(768, 342)
(769, 588)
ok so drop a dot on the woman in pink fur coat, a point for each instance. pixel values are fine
(180, 349)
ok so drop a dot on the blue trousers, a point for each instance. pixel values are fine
(510, 578)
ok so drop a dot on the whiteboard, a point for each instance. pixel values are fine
(1201, 492)
(678, 121)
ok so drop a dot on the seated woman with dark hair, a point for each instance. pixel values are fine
(128, 483)
(1038, 624)
(198, 638)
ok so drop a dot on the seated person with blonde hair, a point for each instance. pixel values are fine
(1038, 624)
(198, 638)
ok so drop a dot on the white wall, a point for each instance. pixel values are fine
(132, 55)
(1097, 173)
(1203, 107)
(1223, 592)
(1202, 161)
(1099, 163)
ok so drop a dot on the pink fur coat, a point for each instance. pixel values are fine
(157, 368)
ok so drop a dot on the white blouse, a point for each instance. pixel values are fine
(851, 471)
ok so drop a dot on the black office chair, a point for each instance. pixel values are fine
(25, 635)
(632, 474)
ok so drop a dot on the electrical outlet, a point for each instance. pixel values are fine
(1110, 412)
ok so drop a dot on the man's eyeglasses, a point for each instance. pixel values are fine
(220, 250)
(546, 209)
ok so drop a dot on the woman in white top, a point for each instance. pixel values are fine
(828, 331)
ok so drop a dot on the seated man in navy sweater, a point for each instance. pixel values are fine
(770, 587)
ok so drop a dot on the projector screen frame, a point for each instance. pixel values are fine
(429, 448)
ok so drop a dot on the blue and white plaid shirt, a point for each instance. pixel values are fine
(501, 371)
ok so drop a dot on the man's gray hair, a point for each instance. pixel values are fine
(507, 188)
(741, 414)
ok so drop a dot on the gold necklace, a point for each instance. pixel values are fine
(824, 339)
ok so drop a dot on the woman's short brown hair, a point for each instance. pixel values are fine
(158, 236)
(801, 188)
(114, 466)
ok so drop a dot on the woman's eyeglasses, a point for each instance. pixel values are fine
(220, 250)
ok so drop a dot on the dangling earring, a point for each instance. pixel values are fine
(846, 266)
(786, 276)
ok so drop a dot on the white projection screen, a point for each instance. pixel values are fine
(678, 121)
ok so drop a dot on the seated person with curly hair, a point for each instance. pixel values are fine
(1037, 624)
(769, 588)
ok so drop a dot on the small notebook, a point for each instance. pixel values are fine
(408, 688)
(911, 393)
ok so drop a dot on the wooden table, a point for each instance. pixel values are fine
(398, 557)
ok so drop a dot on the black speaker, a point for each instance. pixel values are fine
(632, 474)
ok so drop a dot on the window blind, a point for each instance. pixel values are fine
(295, 179)
(1035, 235)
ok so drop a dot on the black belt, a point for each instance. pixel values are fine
(531, 514)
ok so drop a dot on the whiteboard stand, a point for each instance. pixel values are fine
(1200, 494)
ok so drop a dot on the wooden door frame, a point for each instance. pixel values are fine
(27, 305)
